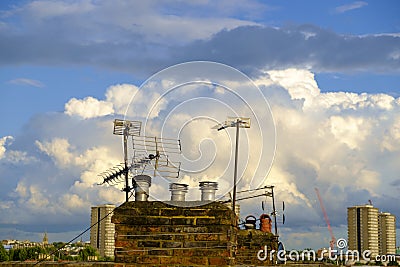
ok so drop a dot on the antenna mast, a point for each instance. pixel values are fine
(145, 149)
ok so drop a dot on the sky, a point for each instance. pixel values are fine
(319, 79)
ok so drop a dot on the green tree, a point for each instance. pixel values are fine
(58, 245)
(3, 254)
(106, 258)
(14, 254)
(33, 252)
(10, 254)
(87, 251)
(23, 254)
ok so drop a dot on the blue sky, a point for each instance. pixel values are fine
(64, 64)
(60, 78)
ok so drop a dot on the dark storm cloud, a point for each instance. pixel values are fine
(41, 50)
(303, 46)
(99, 38)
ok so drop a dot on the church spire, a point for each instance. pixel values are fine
(45, 239)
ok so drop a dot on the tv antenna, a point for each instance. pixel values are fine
(126, 128)
(268, 192)
(150, 156)
(146, 149)
(237, 122)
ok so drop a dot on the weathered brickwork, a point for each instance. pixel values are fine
(158, 234)
(55, 264)
(250, 242)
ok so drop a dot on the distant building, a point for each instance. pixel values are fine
(387, 233)
(102, 233)
(45, 240)
(7, 247)
(370, 230)
(363, 229)
(15, 244)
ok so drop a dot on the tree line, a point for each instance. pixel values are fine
(53, 252)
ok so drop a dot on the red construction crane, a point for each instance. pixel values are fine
(332, 243)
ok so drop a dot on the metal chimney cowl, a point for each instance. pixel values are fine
(178, 191)
(141, 185)
(208, 190)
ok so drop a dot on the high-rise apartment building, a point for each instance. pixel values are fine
(387, 233)
(363, 229)
(370, 230)
(102, 234)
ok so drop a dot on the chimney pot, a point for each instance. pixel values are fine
(141, 185)
(208, 190)
(178, 191)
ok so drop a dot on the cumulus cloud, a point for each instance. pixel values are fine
(57, 149)
(334, 141)
(347, 144)
(299, 83)
(3, 142)
(88, 107)
(391, 139)
(59, 181)
(120, 96)
(13, 156)
(350, 131)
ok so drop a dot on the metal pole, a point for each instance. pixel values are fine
(235, 171)
(126, 163)
(274, 211)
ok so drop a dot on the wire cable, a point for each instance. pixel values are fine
(82, 233)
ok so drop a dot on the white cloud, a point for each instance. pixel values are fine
(286, 187)
(349, 130)
(120, 96)
(19, 157)
(59, 149)
(299, 83)
(133, 17)
(369, 180)
(29, 82)
(334, 141)
(13, 156)
(74, 203)
(391, 138)
(331, 140)
(88, 107)
(37, 200)
(4, 141)
(21, 189)
(351, 6)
